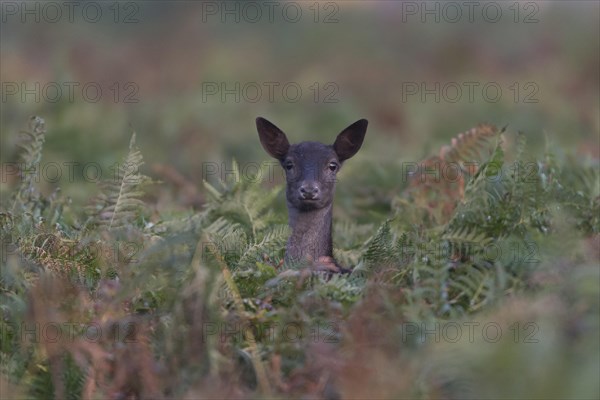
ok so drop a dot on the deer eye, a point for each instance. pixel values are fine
(333, 166)
(289, 165)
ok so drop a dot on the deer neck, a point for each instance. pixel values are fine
(311, 234)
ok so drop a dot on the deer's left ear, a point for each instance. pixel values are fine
(348, 142)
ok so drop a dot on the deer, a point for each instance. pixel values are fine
(311, 169)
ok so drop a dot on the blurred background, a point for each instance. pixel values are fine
(190, 78)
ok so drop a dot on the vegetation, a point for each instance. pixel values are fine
(477, 278)
(149, 265)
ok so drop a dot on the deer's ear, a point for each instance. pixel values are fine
(273, 140)
(348, 142)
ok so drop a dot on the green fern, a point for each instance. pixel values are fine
(219, 268)
(119, 204)
(242, 201)
(479, 287)
(272, 244)
(26, 198)
(380, 248)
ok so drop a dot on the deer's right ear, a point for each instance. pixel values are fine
(273, 140)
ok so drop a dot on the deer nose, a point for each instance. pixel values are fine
(309, 191)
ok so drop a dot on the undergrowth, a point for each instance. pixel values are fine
(481, 282)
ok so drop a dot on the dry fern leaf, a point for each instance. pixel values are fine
(463, 155)
(469, 145)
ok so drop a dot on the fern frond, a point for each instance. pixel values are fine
(242, 201)
(477, 286)
(468, 146)
(521, 145)
(272, 242)
(257, 363)
(256, 205)
(380, 248)
(465, 235)
(438, 184)
(25, 196)
(349, 234)
(119, 203)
